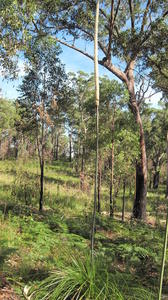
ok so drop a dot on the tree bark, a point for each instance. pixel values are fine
(139, 208)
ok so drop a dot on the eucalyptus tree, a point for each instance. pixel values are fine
(42, 89)
(126, 31)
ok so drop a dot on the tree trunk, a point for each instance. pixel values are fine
(156, 179)
(112, 174)
(99, 185)
(96, 74)
(57, 147)
(82, 174)
(70, 147)
(123, 204)
(139, 209)
(41, 185)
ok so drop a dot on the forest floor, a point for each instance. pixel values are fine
(33, 244)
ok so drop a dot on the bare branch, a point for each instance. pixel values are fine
(117, 9)
(103, 13)
(131, 7)
(145, 15)
(74, 48)
(108, 65)
(142, 91)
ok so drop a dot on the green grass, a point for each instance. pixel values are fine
(35, 244)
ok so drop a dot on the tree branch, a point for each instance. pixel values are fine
(74, 48)
(108, 65)
(145, 15)
(131, 7)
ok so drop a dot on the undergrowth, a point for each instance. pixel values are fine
(49, 251)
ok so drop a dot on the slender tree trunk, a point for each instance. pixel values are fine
(57, 147)
(99, 184)
(150, 179)
(112, 174)
(156, 179)
(41, 157)
(141, 178)
(82, 174)
(123, 204)
(41, 185)
(70, 147)
(96, 73)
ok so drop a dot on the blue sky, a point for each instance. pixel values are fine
(73, 61)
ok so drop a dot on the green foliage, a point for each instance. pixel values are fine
(8, 115)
